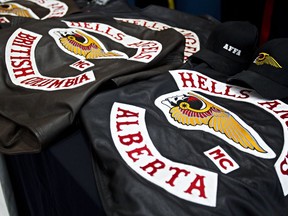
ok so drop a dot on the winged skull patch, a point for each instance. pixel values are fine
(14, 9)
(265, 58)
(192, 111)
(82, 45)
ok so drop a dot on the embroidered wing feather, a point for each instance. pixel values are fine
(265, 58)
(228, 125)
(217, 119)
(83, 45)
(13, 9)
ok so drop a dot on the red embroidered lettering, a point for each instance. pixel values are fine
(176, 175)
(126, 123)
(139, 151)
(153, 166)
(188, 79)
(131, 138)
(284, 166)
(197, 184)
(126, 113)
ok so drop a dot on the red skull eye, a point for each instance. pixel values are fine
(261, 57)
(191, 98)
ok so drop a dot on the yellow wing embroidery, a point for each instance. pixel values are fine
(217, 119)
(83, 45)
(265, 58)
(10, 8)
(227, 124)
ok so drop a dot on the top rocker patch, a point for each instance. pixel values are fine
(192, 44)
